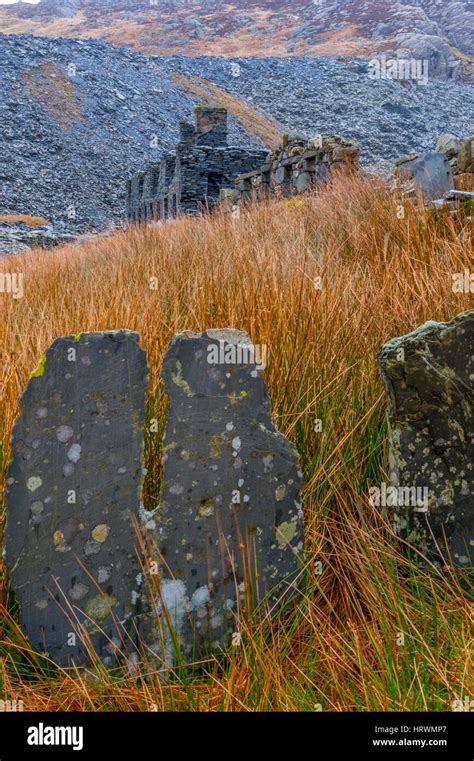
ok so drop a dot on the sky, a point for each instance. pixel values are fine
(9, 2)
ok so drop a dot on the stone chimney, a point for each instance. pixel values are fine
(211, 125)
(186, 130)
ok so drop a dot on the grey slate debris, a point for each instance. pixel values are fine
(230, 526)
(430, 173)
(428, 377)
(74, 480)
(68, 164)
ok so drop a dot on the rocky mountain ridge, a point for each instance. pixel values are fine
(439, 31)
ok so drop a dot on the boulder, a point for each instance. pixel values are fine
(428, 377)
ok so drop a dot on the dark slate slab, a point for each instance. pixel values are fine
(74, 480)
(431, 172)
(230, 524)
(429, 380)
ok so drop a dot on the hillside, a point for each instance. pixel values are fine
(441, 31)
(78, 117)
(337, 649)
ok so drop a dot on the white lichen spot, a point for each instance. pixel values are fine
(33, 483)
(236, 443)
(199, 598)
(280, 492)
(103, 574)
(64, 433)
(74, 454)
(229, 426)
(78, 591)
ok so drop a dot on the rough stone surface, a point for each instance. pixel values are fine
(298, 165)
(230, 523)
(466, 155)
(190, 180)
(430, 173)
(77, 117)
(74, 480)
(428, 376)
(448, 144)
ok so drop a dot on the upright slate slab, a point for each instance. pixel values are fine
(429, 380)
(431, 173)
(230, 524)
(74, 479)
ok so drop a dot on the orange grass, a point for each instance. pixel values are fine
(28, 219)
(322, 281)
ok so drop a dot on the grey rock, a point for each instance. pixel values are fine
(431, 173)
(73, 174)
(73, 483)
(441, 61)
(428, 377)
(230, 501)
(448, 144)
(303, 182)
(466, 155)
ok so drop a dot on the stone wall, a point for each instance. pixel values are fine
(296, 166)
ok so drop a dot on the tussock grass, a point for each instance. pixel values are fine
(339, 646)
(28, 219)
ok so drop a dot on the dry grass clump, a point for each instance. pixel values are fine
(323, 282)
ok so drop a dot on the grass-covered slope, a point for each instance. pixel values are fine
(323, 281)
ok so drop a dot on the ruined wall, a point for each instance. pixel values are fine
(190, 179)
(297, 166)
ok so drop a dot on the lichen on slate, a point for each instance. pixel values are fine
(73, 482)
(229, 528)
(429, 380)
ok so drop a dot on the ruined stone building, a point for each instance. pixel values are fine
(190, 179)
(297, 166)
